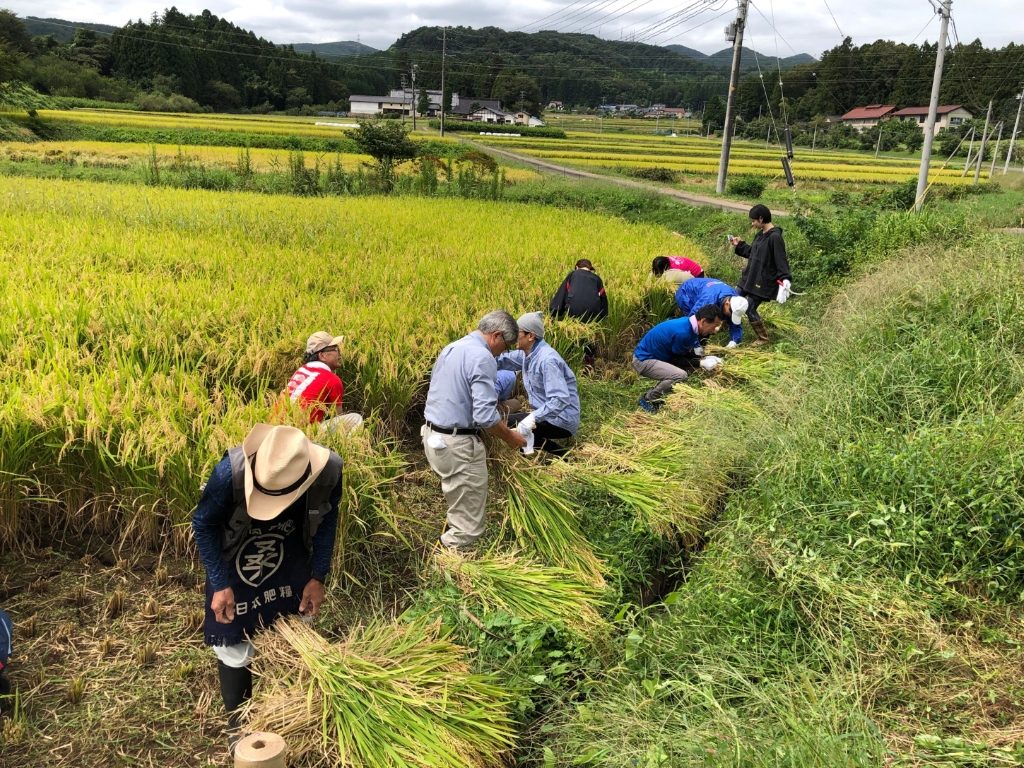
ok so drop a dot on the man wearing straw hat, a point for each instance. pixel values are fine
(461, 406)
(317, 386)
(265, 528)
(550, 385)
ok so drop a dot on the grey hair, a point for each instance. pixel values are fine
(502, 322)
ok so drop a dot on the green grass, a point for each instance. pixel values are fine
(860, 601)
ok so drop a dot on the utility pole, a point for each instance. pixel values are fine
(413, 101)
(1013, 136)
(444, 50)
(735, 32)
(995, 152)
(984, 140)
(878, 144)
(405, 88)
(933, 106)
(970, 152)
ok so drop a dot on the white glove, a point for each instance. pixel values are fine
(731, 345)
(784, 290)
(698, 351)
(528, 424)
(528, 448)
(710, 362)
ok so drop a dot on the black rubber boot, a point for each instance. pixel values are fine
(235, 689)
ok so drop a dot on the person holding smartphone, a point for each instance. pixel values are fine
(766, 276)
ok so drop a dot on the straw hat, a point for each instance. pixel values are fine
(281, 463)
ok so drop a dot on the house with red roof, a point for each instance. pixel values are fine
(949, 116)
(862, 118)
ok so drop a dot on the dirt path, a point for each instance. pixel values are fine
(691, 198)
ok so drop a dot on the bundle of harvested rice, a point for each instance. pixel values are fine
(543, 521)
(755, 366)
(391, 695)
(527, 590)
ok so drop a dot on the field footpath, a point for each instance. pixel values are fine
(692, 198)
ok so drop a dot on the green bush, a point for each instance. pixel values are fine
(666, 175)
(750, 187)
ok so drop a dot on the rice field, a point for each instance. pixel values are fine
(127, 154)
(700, 157)
(281, 125)
(144, 330)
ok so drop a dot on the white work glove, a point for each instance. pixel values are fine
(784, 290)
(528, 448)
(528, 424)
(731, 345)
(698, 351)
(710, 362)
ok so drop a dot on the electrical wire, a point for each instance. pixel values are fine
(841, 35)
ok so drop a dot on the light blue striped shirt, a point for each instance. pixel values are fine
(549, 382)
(461, 392)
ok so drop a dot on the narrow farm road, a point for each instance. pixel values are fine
(691, 198)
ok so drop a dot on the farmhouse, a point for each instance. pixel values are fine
(862, 118)
(481, 111)
(949, 116)
(398, 102)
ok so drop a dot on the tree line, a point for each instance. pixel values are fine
(204, 61)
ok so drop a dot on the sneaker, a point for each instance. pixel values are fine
(648, 406)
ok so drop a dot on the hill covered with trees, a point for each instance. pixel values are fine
(206, 62)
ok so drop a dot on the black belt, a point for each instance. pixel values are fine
(453, 430)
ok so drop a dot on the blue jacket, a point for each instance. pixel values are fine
(550, 384)
(668, 340)
(6, 643)
(701, 291)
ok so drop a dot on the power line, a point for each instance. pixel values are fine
(841, 35)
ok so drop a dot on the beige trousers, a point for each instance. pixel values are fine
(676, 277)
(342, 424)
(461, 463)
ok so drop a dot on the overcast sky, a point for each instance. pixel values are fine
(804, 26)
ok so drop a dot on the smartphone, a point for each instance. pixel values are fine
(729, 238)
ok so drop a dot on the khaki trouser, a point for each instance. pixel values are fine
(342, 424)
(666, 374)
(462, 466)
(676, 277)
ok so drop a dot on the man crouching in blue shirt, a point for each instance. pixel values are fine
(666, 352)
(265, 528)
(550, 385)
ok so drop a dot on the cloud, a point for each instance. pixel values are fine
(793, 28)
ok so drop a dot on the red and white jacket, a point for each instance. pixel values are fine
(315, 386)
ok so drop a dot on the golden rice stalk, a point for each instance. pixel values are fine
(746, 364)
(390, 695)
(527, 590)
(544, 521)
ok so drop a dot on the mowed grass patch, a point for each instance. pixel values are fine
(145, 330)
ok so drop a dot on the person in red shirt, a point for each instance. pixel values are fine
(317, 387)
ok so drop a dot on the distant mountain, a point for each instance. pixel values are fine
(62, 30)
(682, 50)
(751, 58)
(334, 50)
